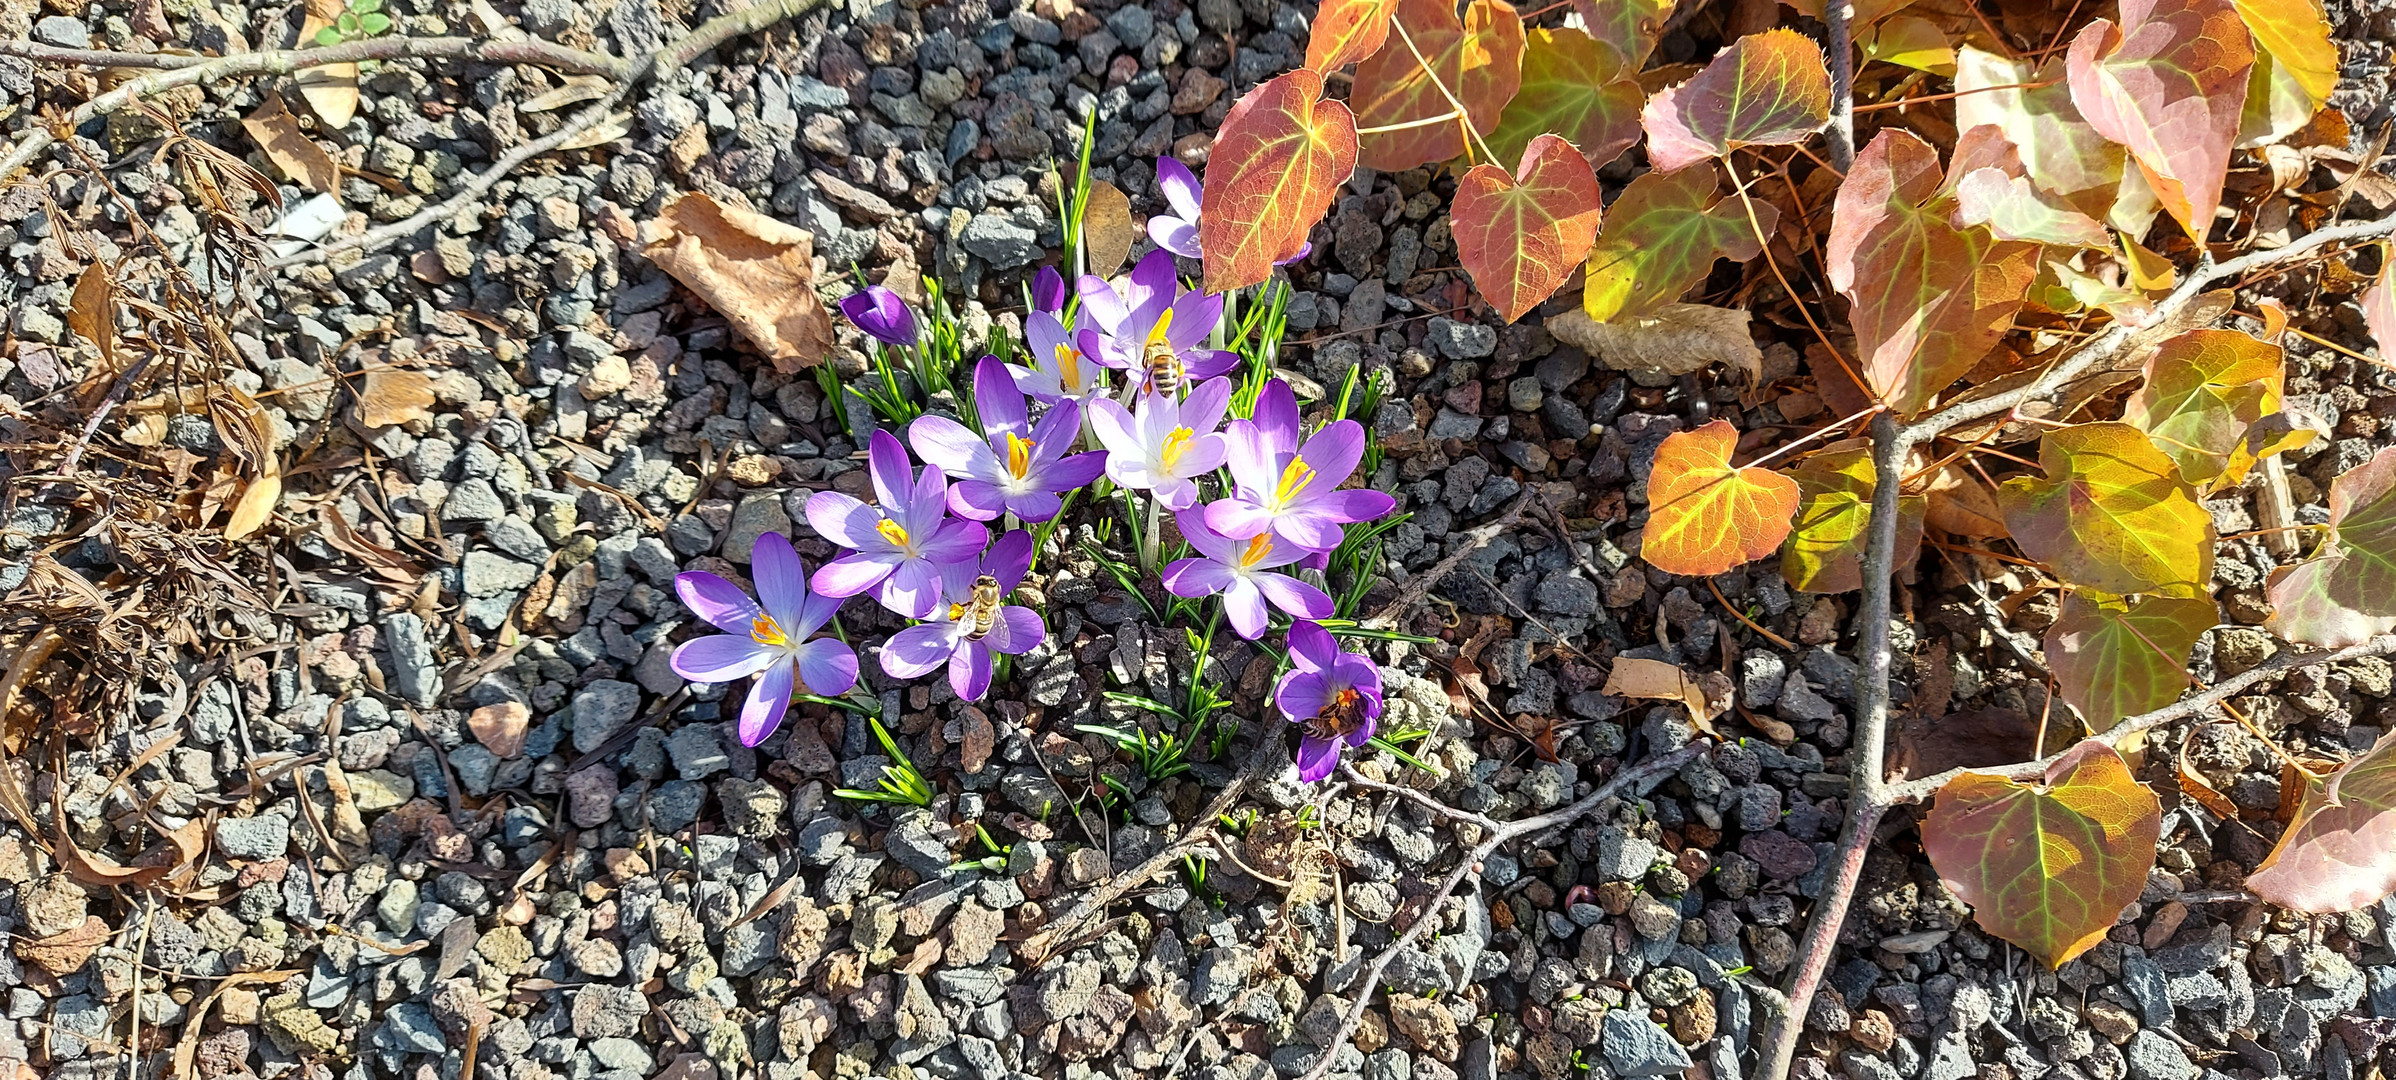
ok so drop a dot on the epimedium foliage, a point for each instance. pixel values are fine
(1957, 252)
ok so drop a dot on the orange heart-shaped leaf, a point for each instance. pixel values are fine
(1705, 516)
(2169, 82)
(1346, 31)
(1479, 59)
(1282, 153)
(1521, 236)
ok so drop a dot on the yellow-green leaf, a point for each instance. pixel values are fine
(1574, 86)
(1662, 236)
(1766, 89)
(2114, 658)
(2204, 390)
(2296, 66)
(2111, 513)
(1824, 552)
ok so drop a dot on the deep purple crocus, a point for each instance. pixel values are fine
(1334, 696)
(1241, 570)
(971, 622)
(1177, 231)
(768, 637)
(881, 313)
(1048, 291)
(1152, 323)
(899, 545)
(1276, 418)
(1296, 495)
(1017, 469)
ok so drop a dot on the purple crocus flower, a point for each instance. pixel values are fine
(769, 640)
(1060, 369)
(1276, 418)
(1165, 444)
(1296, 495)
(1021, 469)
(1177, 231)
(971, 623)
(900, 544)
(1240, 570)
(881, 313)
(1335, 696)
(1048, 291)
(1152, 324)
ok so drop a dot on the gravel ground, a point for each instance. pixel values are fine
(397, 886)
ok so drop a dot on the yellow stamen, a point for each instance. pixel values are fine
(1069, 367)
(1257, 549)
(892, 531)
(1019, 455)
(1164, 322)
(1294, 479)
(955, 611)
(765, 631)
(1177, 441)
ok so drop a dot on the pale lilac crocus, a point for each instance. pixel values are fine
(1334, 696)
(1241, 570)
(897, 547)
(1162, 446)
(971, 623)
(1152, 316)
(1014, 467)
(1060, 369)
(769, 637)
(1296, 495)
(1177, 231)
(881, 313)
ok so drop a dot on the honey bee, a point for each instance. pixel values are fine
(1340, 717)
(979, 612)
(1165, 372)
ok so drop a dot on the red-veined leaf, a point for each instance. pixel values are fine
(1346, 31)
(1480, 59)
(1929, 299)
(2111, 513)
(1766, 89)
(2204, 389)
(2379, 303)
(2033, 107)
(2015, 208)
(2362, 515)
(1705, 516)
(2049, 867)
(2114, 659)
(2296, 66)
(1520, 236)
(1824, 551)
(1630, 27)
(2339, 854)
(1574, 86)
(2168, 82)
(2302, 611)
(1281, 154)
(1662, 236)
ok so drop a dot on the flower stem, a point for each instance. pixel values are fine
(1149, 544)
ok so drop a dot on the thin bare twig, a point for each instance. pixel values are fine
(1838, 41)
(1498, 837)
(1412, 592)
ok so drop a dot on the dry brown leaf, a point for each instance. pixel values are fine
(1974, 739)
(2194, 785)
(331, 89)
(1961, 505)
(1655, 680)
(395, 569)
(65, 953)
(388, 396)
(91, 312)
(277, 132)
(576, 89)
(500, 728)
(756, 272)
(1674, 340)
(256, 506)
(1107, 232)
(615, 126)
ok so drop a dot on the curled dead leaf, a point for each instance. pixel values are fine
(388, 396)
(331, 89)
(1674, 339)
(1107, 232)
(277, 132)
(1655, 680)
(758, 273)
(91, 312)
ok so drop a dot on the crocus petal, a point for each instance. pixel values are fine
(976, 500)
(1312, 647)
(1359, 671)
(1276, 416)
(1305, 248)
(1300, 599)
(781, 578)
(1203, 536)
(1357, 504)
(1048, 291)
(1174, 492)
(1035, 507)
(1202, 455)
(953, 447)
(827, 666)
(1114, 428)
(1246, 607)
(1302, 694)
(716, 600)
(1177, 235)
(881, 313)
(918, 649)
(769, 698)
(1193, 578)
(1309, 529)
(1069, 473)
(1202, 411)
(1100, 302)
(969, 670)
(912, 589)
(1332, 453)
(854, 573)
(1208, 363)
(1237, 518)
(1317, 758)
(1364, 731)
(886, 459)
(1154, 277)
(954, 541)
(1194, 317)
(845, 521)
(1019, 630)
(1253, 458)
(1008, 559)
(924, 511)
(814, 613)
(1180, 186)
(721, 658)
(997, 400)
